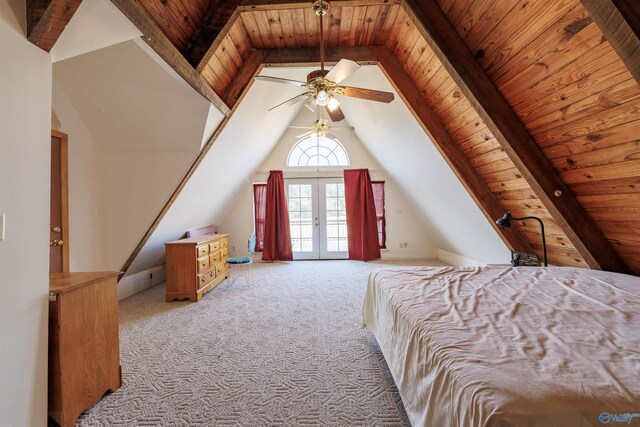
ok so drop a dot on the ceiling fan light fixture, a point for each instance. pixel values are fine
(322, 99)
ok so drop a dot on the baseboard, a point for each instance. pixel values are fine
(455, 259)
(138, 282)
(401, 257)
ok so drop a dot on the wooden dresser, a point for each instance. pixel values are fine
(84, 351)
(195, 265)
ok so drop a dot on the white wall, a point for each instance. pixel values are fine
(95, 25)
(138, 186)
(403, 224)
(399, 144)
(25, 151)
(134, 129)
(87, 188)
(241, 148)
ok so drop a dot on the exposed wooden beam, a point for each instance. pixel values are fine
(250, 68)
(619, 21)
(194, 166)
(154, 37)
(450, 150)
(215, 26)
(46, 19)
(250, 5)
(513, 137)
(286, 57)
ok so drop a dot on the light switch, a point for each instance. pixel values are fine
(2, 227)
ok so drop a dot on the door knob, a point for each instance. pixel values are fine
(56, 243)
(56, 229)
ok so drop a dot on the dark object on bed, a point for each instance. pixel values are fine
(524, 259)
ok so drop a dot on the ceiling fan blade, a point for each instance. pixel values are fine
(280, 80)
(305, 134)
(342, 128)
(299, 127)
(336, 113)
(343, 69)
(291, 101)
(370, 94)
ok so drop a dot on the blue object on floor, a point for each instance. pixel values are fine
(244, 260)
(239, 260)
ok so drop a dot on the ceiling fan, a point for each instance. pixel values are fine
(320, 127)
(324, 85)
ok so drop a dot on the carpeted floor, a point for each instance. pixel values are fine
(287, 350)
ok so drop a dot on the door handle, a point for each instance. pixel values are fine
(56, 229)
(56, 243)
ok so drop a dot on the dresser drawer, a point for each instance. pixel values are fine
(214, 246)
(206, 278)
(214, 258)
(224, 254)
(221, 269)
(203, 264)
(202, 250)
(223, 243)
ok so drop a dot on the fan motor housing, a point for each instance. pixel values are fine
(320, 7)
(316, 74)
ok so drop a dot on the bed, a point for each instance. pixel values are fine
(502, 346)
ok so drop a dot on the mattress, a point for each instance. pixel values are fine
(498, 346)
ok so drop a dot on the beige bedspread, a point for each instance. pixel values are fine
(497, 346)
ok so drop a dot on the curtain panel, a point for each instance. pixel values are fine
(362, 222)
(277, 234)
(259, 213)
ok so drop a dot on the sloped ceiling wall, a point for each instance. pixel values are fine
(398, 143)
(95, 25)
(149, 127)
(130, 103)
(240, 149)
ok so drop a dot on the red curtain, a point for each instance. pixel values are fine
(378, 197)
(260, 211)
(362, 227)
(277, 234)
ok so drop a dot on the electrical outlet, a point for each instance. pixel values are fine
(233, 248)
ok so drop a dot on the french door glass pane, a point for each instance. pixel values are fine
(301, 217)
(336, 217)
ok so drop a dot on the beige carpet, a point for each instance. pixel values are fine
(288, 350)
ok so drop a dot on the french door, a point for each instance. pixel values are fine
(318, 218)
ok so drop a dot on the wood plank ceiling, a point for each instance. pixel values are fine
(548, 59)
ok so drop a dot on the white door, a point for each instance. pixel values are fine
(318, 218)
(333, 219)
(302, 198)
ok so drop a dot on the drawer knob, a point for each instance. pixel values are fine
(203, 279)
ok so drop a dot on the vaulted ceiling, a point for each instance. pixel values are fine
(535, 104)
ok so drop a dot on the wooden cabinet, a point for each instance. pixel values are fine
(84, 351)
(195, 265)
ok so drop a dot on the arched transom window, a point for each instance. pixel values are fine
(317, 150)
